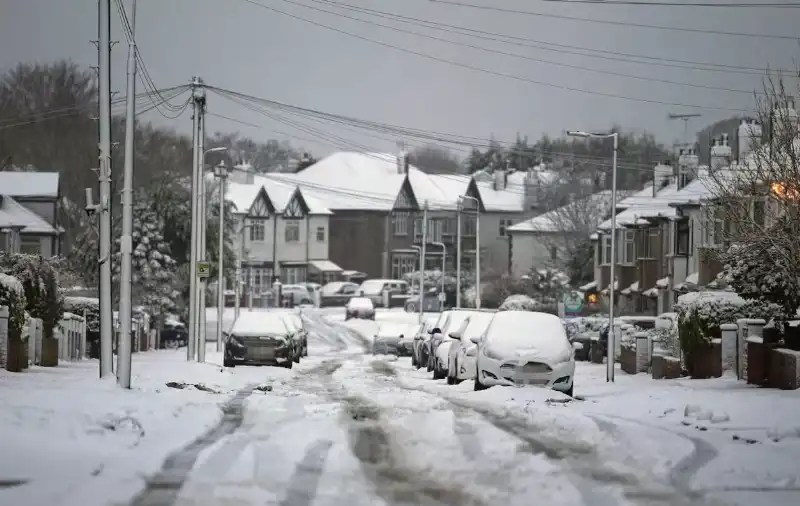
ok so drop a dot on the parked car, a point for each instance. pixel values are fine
(296, 333)
(337, 293)
(461, 360)
(359, 307)
(173, 335)
(388, 340)
(303, 333)
(406, 348)
(419, 355)
(399, 291)
(430, 302)
(525, 348)
(297, 294)
(453, 319)
(259, 338)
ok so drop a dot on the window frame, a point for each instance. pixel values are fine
(291, 230)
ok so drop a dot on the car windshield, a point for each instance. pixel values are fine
(257, 324)
(372, 287)
(359, 303)
(455, 321)
(478, 323)
(332, 288)
(542, 334)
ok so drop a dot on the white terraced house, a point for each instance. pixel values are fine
(29, 214)
(279, 231)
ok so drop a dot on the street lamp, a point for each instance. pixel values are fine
(612, 340)
(461, 199)
(421, 275)
(444, 259)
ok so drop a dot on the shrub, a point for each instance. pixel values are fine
(39, 278)
(518, 303)
(12, 294)
(78, 305)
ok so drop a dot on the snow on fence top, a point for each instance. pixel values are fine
(11, 283)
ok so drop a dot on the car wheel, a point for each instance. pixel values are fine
(228, 362)
(413, 360)
(306, 301)
(305, 351)
(449, 380)
(438, 373)
(288, 364)
(296, 359)
(570, 391)
(478, 385)
(411, 307)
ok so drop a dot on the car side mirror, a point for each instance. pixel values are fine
(401, 336)
(436, 330)
(577, 346)
(455, 335)
(475, 339)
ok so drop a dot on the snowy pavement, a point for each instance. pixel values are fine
(347, 428)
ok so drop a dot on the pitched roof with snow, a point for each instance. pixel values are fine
(29, 184)
(241, 196)
(564, 218)
(643, 205)
(14, 214)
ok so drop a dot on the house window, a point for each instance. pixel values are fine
(260, 279)
(435, 230)
(504, 224)
(400, 223)
(293, 275)
(30, 245)
(448, 226)
(713, 226)
(470, 226)
(648, 247)
(417, 228)
(320, 234)
(606, 250)
(553, 253)
(403, 263)
(292, 231)
(627, 252)
(682, 237)
(256, 231)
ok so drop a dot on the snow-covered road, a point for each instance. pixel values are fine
(348, 428)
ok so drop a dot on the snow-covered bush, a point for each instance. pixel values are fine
(666, 339)
(39, 278)
(518, 303)
(85, 305)
(12, 294)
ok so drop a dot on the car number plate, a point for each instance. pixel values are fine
(529, 379)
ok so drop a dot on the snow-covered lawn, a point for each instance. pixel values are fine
(72, 439)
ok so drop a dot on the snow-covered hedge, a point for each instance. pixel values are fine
(39, 277)
(701, 313)
(12, 294)
(518, 303)
(90, 305)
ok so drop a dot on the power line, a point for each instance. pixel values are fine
(725, 5)
(556, 47)
(529, 58)
(492, 72)
(610, 22)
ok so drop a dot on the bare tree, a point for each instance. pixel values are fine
(435, 160)
(754, 211)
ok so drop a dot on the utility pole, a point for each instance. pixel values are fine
(104, 86)
(198, 103)
(201, 299)
(124, 351)
(422, 259)
(221, 173)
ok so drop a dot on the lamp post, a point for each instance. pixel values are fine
(444, 260)
(201, 248)
(421, 280)
(461, 199)
(612, 337)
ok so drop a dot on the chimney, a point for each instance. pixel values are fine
(500, 179)
(748, 134)
(662, 174)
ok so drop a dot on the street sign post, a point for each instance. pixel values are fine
(573, 303)
(203, 270)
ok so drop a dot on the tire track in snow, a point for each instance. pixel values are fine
(304, 483)
(163, 488)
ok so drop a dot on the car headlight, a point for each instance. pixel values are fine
(492, 354)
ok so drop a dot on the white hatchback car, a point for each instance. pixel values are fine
(525, 348)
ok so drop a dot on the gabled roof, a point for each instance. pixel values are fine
(29, 184)
(643, 205)
(281, 193)
(14, 214)
(242, 196)
(571, 217)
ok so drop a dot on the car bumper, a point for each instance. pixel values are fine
(466, 367)
(492, 373)
(244, 356)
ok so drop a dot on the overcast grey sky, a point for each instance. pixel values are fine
(236, 45)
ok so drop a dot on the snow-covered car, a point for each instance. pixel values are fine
(419, 354)
(436, 337)
(337, 293)
(461, 359)
(359, 307)
(438, 359)
(259, 338)
(295, 326)
(525, 348)
(388, 339)
(406, 348)
(299, 294)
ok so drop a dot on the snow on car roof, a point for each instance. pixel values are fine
(259, 323)
(478, 323)
(511, 331)
(360, 302)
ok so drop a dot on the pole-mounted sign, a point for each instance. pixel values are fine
(203, 270)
